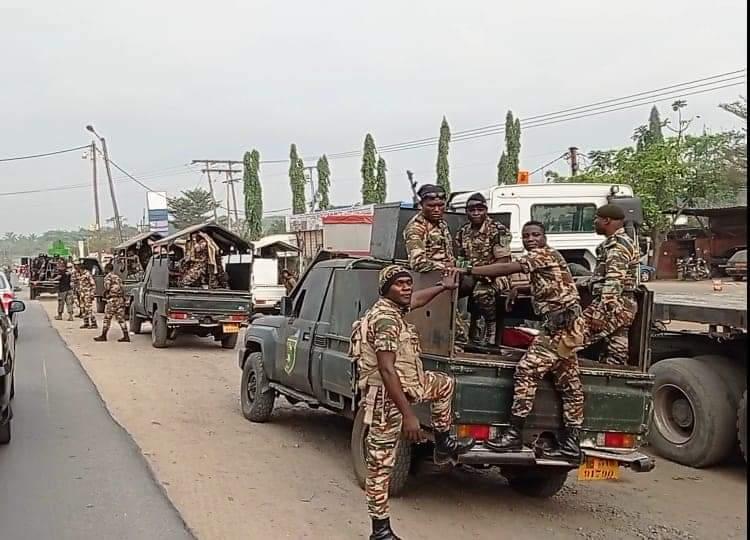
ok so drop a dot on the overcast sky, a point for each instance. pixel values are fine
(167, 82)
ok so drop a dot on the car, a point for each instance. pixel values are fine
(737, 266)
(7, 295)
(7, 366)
(719, 262)
(647, 272)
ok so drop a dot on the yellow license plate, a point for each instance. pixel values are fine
(599, 469)
(230, 328)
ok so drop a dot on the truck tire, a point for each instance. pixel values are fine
(742, 425)
(400, 473)
(733, 373)
(101, 305)
(540, 483)
(134, 322)
(693, 421)
(228, 341)
(159, 331)
(257, 406)
(5, 433)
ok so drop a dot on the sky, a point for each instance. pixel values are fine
(169, 82)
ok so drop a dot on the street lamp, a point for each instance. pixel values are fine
(118, 223)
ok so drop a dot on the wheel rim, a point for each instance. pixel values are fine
(644, 276)
(252, 387)
(674, 414)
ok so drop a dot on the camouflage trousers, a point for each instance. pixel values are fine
(87, 309)
(484, 299)
(540, 359)
(193, 274)
(613, 333)
(65, 302)
(115, 308)
(385, 433)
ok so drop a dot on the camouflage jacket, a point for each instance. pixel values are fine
(289, 284)
(86, 281)
(485, 245)
(552, 286)
(616, 272)
(113, 286)
(429, 246)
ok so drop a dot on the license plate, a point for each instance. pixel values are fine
(598, 469)
(230, 328)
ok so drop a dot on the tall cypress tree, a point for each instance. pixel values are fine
(369, 188)
(655, 124)
(324, 183)
(253, 195)
(297, 181)
(443, 168)
(507, 167)
(380, 182)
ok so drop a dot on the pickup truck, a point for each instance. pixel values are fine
(139, 246)
(266, 290)
(45, 283)
(202, 311)
(302, 356)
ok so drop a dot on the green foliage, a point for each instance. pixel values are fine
(737, 154)
(369, 164)
(507, 167)
(253, 195)
(324, 183)
(443, 168)
(297, 181)
(191, 207)
(381, 184)
(274, 225)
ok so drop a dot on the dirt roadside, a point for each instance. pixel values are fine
(291, 478)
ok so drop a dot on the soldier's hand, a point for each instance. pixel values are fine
(450, 279)
(596, 324)
(411, 429)
(511, 298)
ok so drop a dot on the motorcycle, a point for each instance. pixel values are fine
(695, 268)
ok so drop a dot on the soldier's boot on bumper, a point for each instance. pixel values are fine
(510, 440)
(381, 530)
(448, 447)
(569, 447)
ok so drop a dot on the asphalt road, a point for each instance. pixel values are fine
(70, 470)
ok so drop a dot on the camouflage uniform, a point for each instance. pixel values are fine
(488, 244)
(196, 261)
(289, 283)
(429, 247)
(87, 288)
(555, 299)
(114, 292)
(76, 288)
(613, 285)
(384, 328)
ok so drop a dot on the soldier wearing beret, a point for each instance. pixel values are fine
(428, 241)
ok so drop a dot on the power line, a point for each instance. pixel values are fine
(32, 156)
(126, 173)
(548, 164)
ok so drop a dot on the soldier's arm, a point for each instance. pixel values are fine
(497, 269)
(616, 268)
(417, 252)
(424, 296)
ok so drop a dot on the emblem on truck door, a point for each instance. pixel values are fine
(291, 355)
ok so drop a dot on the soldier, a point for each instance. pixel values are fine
(428, 240)
(555, 300)
(64, 291)
(195, 261)
(613, 283)
(76, 287)
(484, 241)
(288, 280)
(114, 292)
(87, 287)
(391, 379)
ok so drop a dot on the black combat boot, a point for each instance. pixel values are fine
(475, 335)
(490, 332)
(125, 337)
(381, 530)
(93, 324)
(569, 447)
(85, 324)
(447, 447)
(58, 317)
(102, 337)
(511, 439)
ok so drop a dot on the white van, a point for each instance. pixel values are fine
(566, 209)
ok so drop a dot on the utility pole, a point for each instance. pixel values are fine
(118, 222)
(229, 170)
(312, 188)
(97, 216)
(573, 153)
(229, 182)
(210, 185)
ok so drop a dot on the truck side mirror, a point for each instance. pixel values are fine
(286, 306)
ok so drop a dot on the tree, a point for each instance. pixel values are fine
(737, 155)
(507, 167)
(654, 126)
(324, 183)
(191, 207)
(253, 195)
(274, 225)
(380, 182)
(443, 168)
(369, 187)
(297, 181)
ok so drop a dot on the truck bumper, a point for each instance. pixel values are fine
(636, 461)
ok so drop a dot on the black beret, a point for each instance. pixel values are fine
(476, 197)
(430, 190)
(611, 211)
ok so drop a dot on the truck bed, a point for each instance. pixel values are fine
(714, 309)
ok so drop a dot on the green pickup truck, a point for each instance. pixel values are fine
(302, 356)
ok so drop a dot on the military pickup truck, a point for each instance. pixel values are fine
(131, 258)
(302, 356)
(202, 311)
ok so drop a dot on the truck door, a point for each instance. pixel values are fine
(307, 301)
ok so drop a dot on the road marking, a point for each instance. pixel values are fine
(46, 387)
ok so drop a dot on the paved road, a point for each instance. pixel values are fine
(70, 470)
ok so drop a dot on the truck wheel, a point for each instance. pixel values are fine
(101, 305)
(257, 405)
(742, 425)
(228, 341)
(134, 322)
(400, 473)
(5, 433)
(538, 483)
(693, 421)
(732, 373)
(159, 331)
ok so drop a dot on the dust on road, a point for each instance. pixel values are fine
(292, 478)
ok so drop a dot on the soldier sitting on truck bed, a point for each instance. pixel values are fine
(613, 284)
(391, 378)
(555, 299)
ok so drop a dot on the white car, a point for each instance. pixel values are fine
(7, 295)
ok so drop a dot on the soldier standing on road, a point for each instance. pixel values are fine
(64, 291)
(428, 240)
(114, 292)
(555, 299)
(87, 287)
(391, 378)
(484, 241)
(613, 284)
(288, 280)
(75, 279)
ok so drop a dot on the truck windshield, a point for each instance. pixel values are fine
(565, 218)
